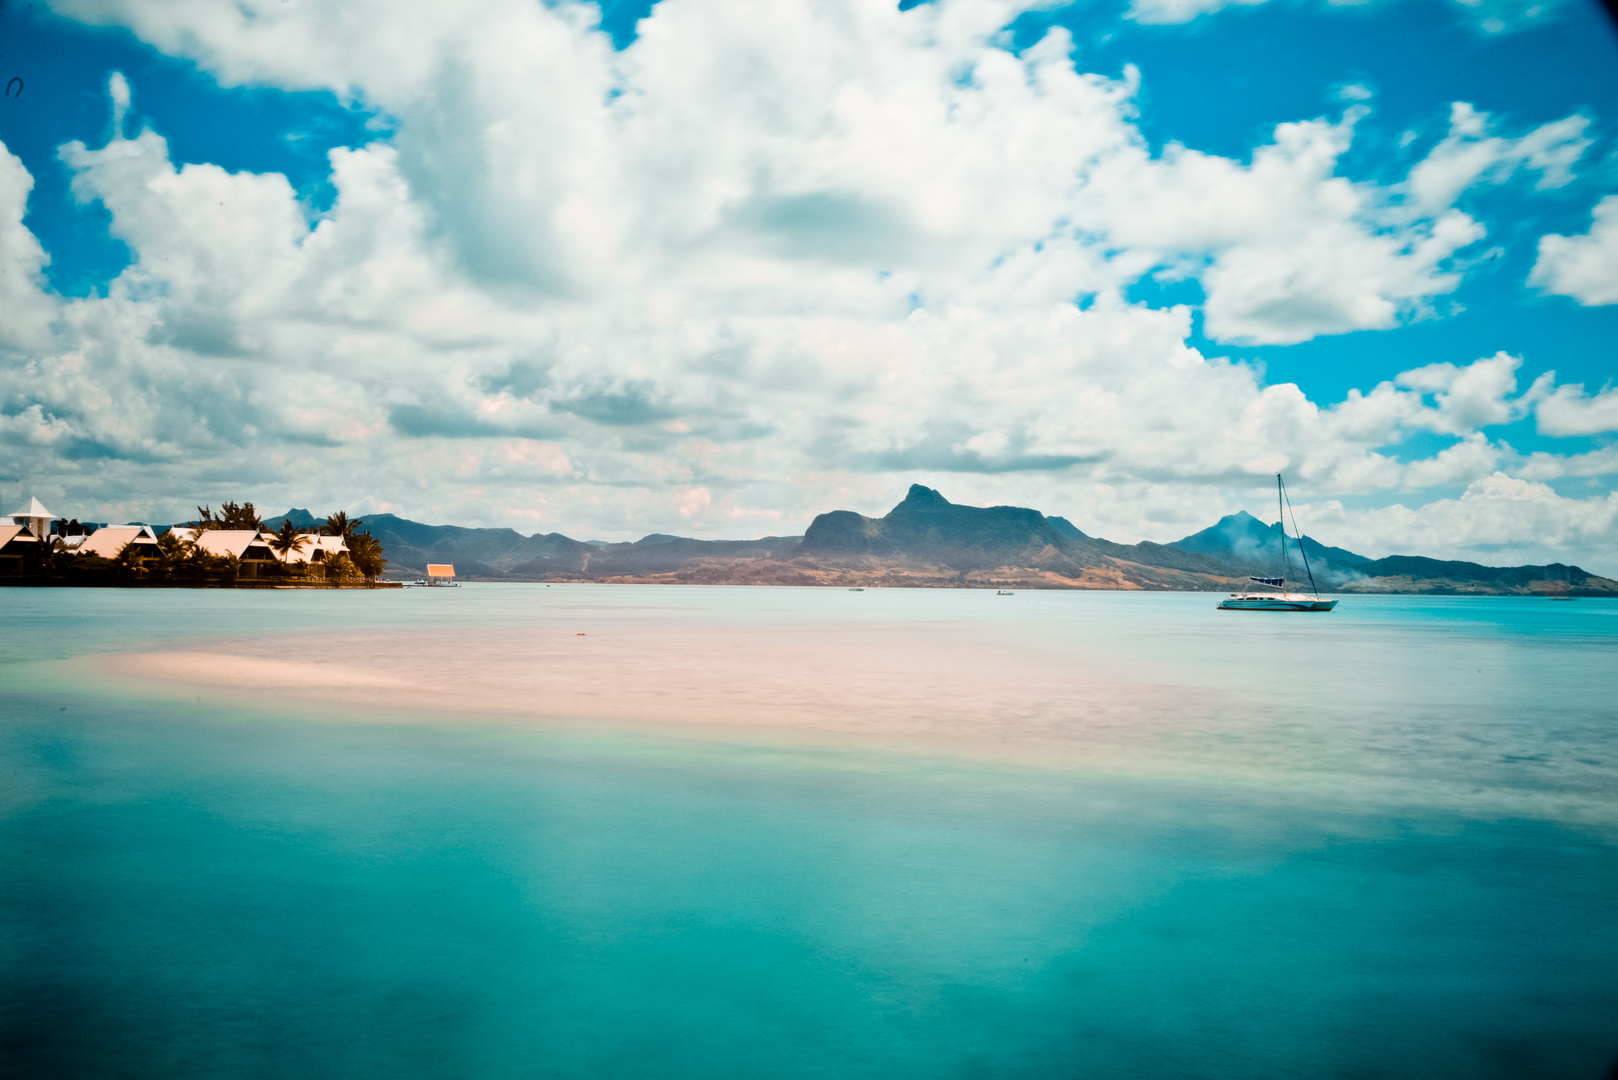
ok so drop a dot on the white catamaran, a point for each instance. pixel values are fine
(1281, 600)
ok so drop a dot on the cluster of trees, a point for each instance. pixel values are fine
(230, 516)
(363, 558)
(184, 560)
(173, 560)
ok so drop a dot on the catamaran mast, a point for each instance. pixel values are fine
(1281, 521)
(1301, 551)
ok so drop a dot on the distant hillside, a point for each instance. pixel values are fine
(483, 553)
(926, 540)
(1066, 528)
(927, 525)
(1413, 573)
(1243, 540)
(662, 554)
(928, 535)
(301, 519)
(507, 554)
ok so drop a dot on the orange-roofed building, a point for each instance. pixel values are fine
(109, 542)
(246, 545)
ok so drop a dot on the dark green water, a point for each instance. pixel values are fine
(189, 894)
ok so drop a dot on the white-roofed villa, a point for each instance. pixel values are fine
(110, 541)
(230, 548)
(249, 548)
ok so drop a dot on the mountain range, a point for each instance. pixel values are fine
(926, 540)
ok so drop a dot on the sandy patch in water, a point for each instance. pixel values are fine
(213, 669)
(1364, 710)
(935, 685)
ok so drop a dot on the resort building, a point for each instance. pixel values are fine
(252, 547)
(315, 549)
(16, 543)
(20, 535)
(34, 518)
(109, 541)
(23, 533)
(249, 546)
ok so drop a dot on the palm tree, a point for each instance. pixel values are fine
(170, 550)
(339, 567)
(131, 561)
(52, 559)
(366, 552)
(180, 556)
(244, 516)
(230, 516)
(339, 525)
(287, 541)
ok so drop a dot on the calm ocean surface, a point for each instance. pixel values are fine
(618, 831)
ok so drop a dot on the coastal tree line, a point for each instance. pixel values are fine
(177, 559)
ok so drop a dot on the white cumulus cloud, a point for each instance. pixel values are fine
(1486, 16)
(25, 309)
(771, 259)
(1503, 518)
(1570, 411)
(1583, 267)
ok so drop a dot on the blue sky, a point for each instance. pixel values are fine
(711, 267)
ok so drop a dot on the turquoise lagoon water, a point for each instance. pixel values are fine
(1379, 843)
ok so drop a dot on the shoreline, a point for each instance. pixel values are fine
(267, 583)
(873, 585)
(984, 586)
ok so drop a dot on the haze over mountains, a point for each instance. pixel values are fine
(926, 540)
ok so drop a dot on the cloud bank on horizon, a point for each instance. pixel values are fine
(756, 260)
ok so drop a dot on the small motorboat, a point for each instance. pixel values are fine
(1002, 592)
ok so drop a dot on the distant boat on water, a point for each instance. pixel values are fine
(1280, 599)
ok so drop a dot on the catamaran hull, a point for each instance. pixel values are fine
(1275, 603)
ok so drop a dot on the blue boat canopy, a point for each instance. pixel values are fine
(1278, 582)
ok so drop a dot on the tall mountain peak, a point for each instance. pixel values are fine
(920, 500)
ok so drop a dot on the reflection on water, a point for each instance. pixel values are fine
(888, 833)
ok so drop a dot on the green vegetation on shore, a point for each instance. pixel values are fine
(229, 548)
